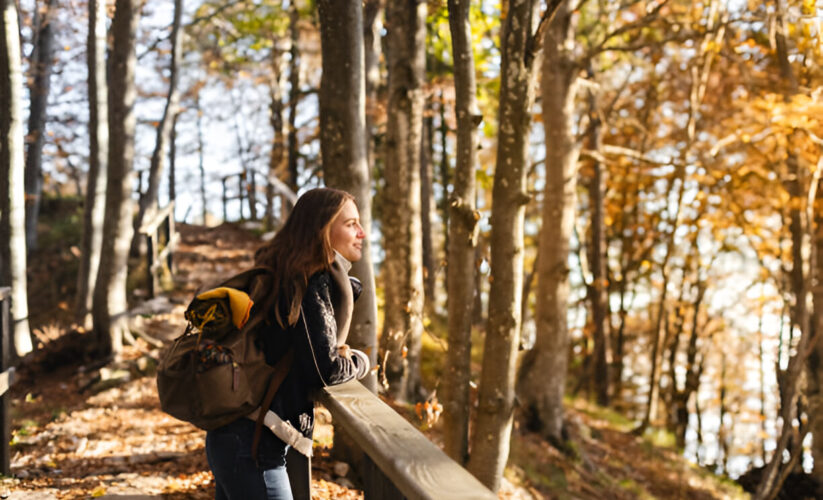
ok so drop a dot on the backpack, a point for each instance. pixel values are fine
(215, 372)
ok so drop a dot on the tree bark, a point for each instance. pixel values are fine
(372, 27)
(343, 144)
(403, 266)
(277, 156)
(200, 156)
(816, 375)
(493, 421)
(598, 292)
(541, 396)
(98, 153)
(294, 96)
(460, 268)
(41, 69)
(12, 188)
(427, 210)
(110, 302)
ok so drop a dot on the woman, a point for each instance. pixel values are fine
(310, 257)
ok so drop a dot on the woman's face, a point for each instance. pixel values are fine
(346, 234)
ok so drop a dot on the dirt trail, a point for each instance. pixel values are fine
(81, 432)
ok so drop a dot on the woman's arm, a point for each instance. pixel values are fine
(320, 331)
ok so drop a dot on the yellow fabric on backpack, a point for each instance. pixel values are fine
(239, 302)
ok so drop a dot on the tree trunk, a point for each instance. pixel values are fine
(445, 166)
(660, 321)
(294, 96)
(41, 67)
(12, 189)
(372, 27)
(343, 146)
(816, 375)
(277, 156)
(148, 203)
(173, 159)
(98, 156)
(598, 293)
(460, 268)
(427, 210)
(493, 421)
(403, 267)
(200, 156)
(542, 397)
(110, 301)
(802, 194)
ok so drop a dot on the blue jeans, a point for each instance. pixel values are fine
(237, 475)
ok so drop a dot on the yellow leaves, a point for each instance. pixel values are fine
(98, 492)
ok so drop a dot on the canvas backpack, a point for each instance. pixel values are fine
(216, 372)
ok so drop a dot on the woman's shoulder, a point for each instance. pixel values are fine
(319, 281)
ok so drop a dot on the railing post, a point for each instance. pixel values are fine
(252, 195)
(225, 201)
(5, 356)
(240, 190)
(151, 257)
(376, 486)
(299, 469)
(169, 242)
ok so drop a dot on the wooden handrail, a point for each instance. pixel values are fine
(414, 465)
(151, 226)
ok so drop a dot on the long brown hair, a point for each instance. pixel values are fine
(302, 247)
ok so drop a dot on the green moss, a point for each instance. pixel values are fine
(635, 489)
(659, 438)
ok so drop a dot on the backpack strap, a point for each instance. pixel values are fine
(281, 369)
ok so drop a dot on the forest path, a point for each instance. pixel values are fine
(80, 431)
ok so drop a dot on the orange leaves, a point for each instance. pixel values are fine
(429, 411)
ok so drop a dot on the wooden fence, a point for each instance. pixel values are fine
(6, 379)
(159, 229)
(399, 461)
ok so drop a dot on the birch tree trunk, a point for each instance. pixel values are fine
(98, 153)
(41, 69)
(493, 420)
(149, 202)
(12, 189)
(542, 377)
(462, 229)
(343, 146)
(403, 267)
(110, 306)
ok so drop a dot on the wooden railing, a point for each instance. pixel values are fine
(399, 462)
(162, 225)
(6, 379)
